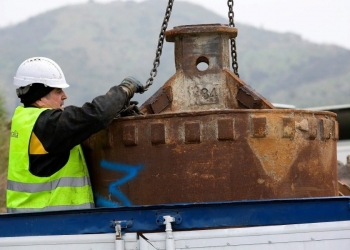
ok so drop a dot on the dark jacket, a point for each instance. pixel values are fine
(60, 130)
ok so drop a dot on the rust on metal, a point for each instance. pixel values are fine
(247, 98)
(192, 132)
(159, 101)
(196, 89)
(226, 130)
(258, 124)
(157, 133)
(217, 156)
(208, 136)
(129, 134)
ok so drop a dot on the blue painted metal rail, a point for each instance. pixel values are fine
(190, 216)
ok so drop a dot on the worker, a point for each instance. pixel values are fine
(47, 169)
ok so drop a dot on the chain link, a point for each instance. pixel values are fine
(164, 26)
(156, 61)
(233, 40)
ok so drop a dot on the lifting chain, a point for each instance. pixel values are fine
(156, 61)
(233, 40)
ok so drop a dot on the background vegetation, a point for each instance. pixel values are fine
(97, 45)
(4, 143)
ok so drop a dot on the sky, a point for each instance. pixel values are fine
(318, 21)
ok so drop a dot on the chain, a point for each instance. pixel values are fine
(233, 40)
(156, 61)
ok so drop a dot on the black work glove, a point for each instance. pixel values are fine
(130, 110)
(131, 85)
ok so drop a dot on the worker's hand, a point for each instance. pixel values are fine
(131, 86)
(131, 110)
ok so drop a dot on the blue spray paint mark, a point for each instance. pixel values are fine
(131, 172)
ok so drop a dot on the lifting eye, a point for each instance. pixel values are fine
(202, 63)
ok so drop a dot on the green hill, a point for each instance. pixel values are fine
(97, 45)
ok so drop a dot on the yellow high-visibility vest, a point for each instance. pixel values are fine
(68, 188)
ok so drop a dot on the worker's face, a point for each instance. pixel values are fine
(54, 99)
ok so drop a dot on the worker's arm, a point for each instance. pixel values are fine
(60, 130)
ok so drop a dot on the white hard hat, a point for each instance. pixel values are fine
(40, 70)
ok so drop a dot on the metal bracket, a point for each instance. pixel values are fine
(123, 223)
(160, 218)
(119, 225)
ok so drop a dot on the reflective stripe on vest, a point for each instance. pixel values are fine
(52, 208)
(48, 186)
(68, 188)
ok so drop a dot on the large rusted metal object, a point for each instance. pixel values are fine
(208, 136)
(195, 89)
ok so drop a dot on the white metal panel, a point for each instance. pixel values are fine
(320, 236)
(67, 242)
(303, 236)
(61, 242)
